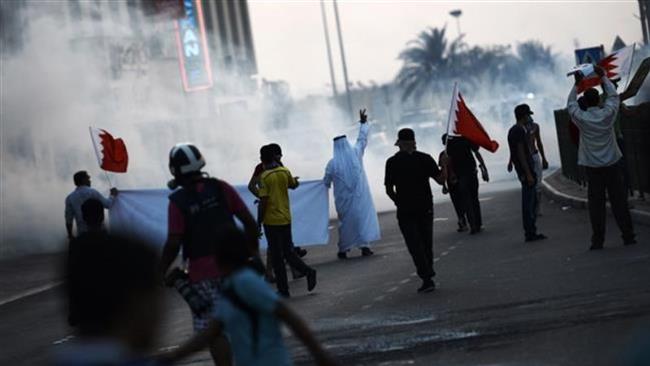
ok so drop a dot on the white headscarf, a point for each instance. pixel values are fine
(345, 163)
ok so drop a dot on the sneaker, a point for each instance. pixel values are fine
(342, 255)
(311, 280)
(536, 237)
(366, 252)
(427, 286)
(596, 247)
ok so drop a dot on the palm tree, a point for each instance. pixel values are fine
(427, 59)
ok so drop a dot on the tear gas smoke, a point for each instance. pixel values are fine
(58, 85)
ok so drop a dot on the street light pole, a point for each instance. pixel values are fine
(456, 14)
(345, 68)
(329, 48)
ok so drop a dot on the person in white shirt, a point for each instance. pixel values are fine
(75, 199)
(599, 153)
(358, 224)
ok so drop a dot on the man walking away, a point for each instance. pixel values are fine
(197, 211)
(275, 214)
(407, 185)
(77, 198)
(461, 154)
(600, 154)
(358, 224)
(522, 158)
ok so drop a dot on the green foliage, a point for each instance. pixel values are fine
(430, 62)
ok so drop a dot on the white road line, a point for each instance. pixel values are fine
(485, 199)
(413, 274)
(366, 307)
(444, 253)
(435, 260)
(440, 219)
(392, 289)
(405, 281)
(30, 292)
(63, 340)
(379, 298)
(452, 247)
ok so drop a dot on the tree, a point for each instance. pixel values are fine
(427, 59)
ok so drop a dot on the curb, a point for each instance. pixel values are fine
(638, 216)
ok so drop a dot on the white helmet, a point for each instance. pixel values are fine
(185, 158)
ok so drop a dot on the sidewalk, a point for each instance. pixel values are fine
(570, 193)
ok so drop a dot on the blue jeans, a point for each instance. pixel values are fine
(528, 205)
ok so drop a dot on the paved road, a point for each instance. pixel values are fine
(500, 300)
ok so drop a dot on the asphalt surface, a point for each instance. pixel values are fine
(499, 301)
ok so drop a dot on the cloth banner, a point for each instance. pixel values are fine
(142, 213)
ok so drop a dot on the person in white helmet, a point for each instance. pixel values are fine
(200, 208)
(358, 224)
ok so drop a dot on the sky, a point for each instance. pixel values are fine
(290, 42)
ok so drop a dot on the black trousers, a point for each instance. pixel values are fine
(457, 201)
(417, 229)
(608, 179)
(281, 247)
(528, 205)
(468, 187)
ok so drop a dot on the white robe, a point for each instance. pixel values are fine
(358, 224)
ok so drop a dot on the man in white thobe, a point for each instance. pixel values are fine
(358, 224)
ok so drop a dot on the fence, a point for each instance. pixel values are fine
(635, 127)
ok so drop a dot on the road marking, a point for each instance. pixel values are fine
(405, 281)
(31, 292)
(440, 219)
(413, 274)
(366, 307)
(436, 259)
(444, 253)
(379, 298)
(392, 289)
(452, 247)
(167, 349)
(63, 340)
(485, 199)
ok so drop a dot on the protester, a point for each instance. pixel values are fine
(451, 186)
(275, 215)
(196, 213)
(407, 185)
(521, 155)
(539, 158)
(251, 314)
(461, 154)
(601, 156)
(114, 287)
(358, 224)
(253, 187)
(75, 199)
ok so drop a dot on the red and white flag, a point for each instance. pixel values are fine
(617, 65)
(111, 152)
(462, 122)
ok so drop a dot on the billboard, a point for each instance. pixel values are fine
(193, 55)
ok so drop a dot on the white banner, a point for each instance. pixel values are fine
(143, 213)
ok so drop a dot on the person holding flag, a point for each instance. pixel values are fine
(112, 157)
(465, 135)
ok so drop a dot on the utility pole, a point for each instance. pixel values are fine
(456, 14)
(329, 48)
(644, 16)
(345, 68)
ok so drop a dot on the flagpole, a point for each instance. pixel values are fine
(92, 139)
(451, 110)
